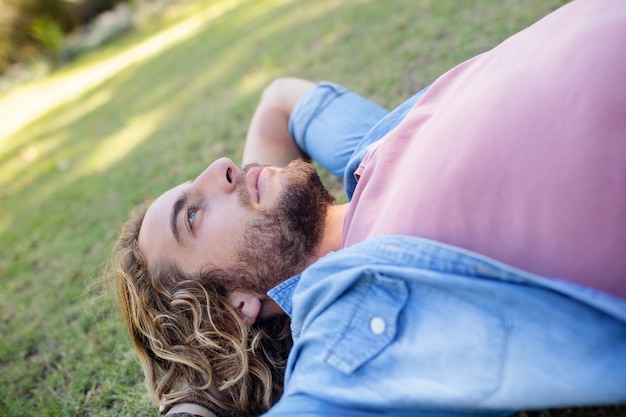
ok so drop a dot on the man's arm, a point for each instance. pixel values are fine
(268, 141)
(297, 118)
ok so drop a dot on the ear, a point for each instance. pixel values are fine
(248, 306)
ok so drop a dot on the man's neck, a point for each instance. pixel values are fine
(331, 241)
(333, 232)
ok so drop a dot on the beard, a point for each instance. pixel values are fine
(279, 245)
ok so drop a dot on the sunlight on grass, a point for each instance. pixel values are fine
(115, 147)
(16, 170)
(24, 105)
(260, 76)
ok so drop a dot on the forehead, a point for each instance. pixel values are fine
(155, 235)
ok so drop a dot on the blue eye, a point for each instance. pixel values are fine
(191, 215)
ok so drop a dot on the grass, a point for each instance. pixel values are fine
(81, 147)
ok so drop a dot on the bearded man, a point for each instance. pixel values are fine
(235, 218)
(478, 268)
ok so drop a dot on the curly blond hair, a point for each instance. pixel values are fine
(190, 341)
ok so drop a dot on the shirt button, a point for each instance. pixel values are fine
(377, 325)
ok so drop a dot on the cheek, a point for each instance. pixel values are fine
(223, 234)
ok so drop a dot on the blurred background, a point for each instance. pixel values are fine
(104, 103)
(40, 34)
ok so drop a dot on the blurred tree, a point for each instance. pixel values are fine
(29, 28)
(84, 11)
(49, 34)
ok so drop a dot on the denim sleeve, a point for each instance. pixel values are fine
(330, 121)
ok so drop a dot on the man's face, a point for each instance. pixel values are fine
(263, 221)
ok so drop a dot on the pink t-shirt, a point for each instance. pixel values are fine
(518, 154)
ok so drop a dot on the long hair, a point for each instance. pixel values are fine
(189, 340)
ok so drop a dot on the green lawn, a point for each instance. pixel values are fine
(80, 148)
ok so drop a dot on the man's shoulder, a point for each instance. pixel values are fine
(397, 250)
(413, 259)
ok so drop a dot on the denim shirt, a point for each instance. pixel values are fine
(400, 325)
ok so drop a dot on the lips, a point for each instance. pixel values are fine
(252, 180)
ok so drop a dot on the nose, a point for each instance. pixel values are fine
(220, 175)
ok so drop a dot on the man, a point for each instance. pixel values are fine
(517, 154)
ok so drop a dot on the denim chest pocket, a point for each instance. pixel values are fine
(420, 341)
(370, 323)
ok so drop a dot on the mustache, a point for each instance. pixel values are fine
(240, 182)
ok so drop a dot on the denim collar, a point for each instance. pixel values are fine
(283, 294)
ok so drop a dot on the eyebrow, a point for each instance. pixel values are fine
(180, 203)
